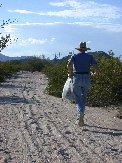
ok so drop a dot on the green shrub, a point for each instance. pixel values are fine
(7, 69)
(57, 75)
(33, 64)
(105, 89)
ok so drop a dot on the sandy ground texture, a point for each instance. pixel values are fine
(38, 128)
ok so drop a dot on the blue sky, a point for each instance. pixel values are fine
(46, 27)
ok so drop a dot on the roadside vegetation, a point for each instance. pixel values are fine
(105, 89)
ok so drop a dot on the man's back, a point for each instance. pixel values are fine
(82, 62)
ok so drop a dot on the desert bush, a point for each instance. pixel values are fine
(33, 64)
(57, 75)
(105, 89)
(8, 68)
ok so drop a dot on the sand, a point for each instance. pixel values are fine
(38, 128)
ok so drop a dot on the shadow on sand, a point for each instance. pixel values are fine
(12, 99)
(111, 132)
(6, 85)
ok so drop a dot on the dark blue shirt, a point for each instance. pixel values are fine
(82, 62)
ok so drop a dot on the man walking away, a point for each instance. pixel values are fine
(81, 63)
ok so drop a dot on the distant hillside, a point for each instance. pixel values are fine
(4, 58)
(56, 60)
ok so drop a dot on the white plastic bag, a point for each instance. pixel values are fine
(68, 90)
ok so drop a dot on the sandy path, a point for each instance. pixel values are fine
(37, 128)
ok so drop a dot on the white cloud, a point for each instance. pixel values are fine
(33, 41)
(9, 28)
(35, 24)
(52, 39)
(88, 42)
(58, 4)
(22, 11)
(106, 26)
(66, 3)
(87, 10)
(90, 10)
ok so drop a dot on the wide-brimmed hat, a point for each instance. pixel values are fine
(83, 46)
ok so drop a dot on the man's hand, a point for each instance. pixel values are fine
(94, 74)
(97, 71)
